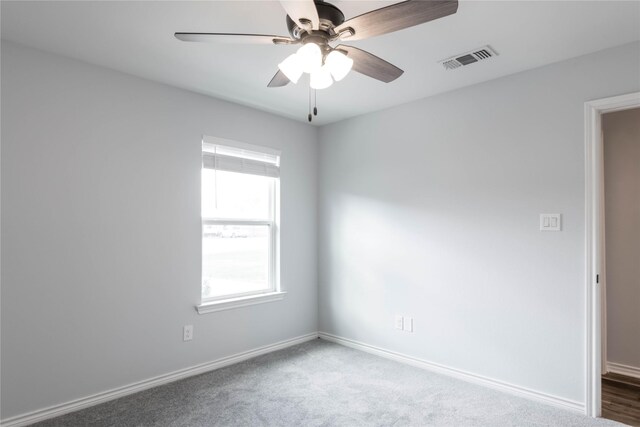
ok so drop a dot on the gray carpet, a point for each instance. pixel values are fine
(322, 384)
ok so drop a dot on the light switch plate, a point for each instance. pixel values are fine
(550, 222)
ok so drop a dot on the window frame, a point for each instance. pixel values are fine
(274, 291)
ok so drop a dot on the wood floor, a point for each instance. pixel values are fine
(621, 399)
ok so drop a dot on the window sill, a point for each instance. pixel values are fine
(228, 304)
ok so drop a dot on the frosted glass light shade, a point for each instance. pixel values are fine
(291, 67)
(339, 64)
(310, 57)
(321, 78)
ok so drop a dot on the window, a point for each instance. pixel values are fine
(240, 186)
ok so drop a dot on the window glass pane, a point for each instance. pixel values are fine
(235, 195)
(235, 259)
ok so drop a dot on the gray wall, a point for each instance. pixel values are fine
(622, 233)
(101, 223)
(431, 210)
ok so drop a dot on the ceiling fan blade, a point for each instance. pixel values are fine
(396, 17)
(279, 80)
(304, 10)
(233, 38)
(370, 65)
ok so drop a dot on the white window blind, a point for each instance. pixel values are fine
(231, 159)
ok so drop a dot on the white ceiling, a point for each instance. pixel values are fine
(137, 38)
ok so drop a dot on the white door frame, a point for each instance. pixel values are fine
(594, 243)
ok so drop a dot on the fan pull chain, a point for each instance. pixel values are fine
(309, 116)
(315, 102)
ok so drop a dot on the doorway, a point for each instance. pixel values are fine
(621, 284)
(596, 275)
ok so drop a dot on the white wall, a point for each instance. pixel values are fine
(101, 223)
(622, 235)
(431, 210)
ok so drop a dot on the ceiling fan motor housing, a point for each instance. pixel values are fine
(330, 17)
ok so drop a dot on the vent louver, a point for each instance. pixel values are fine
(468, 58)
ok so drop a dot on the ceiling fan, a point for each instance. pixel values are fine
(316, 24)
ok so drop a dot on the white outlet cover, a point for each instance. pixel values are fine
(399, 322)
(187, 333)
(408, 324)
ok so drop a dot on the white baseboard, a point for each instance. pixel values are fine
(619, 368)
(457, 373)
(85, 402)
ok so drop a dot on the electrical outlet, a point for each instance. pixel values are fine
(187, 333)
(399, 322)
(408, 324)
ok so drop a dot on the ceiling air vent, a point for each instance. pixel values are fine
(468, 58)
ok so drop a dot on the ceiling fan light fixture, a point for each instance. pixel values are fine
(321, 78)
(315, 24)
(310, 57)
(291, 67)
(339, 64)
